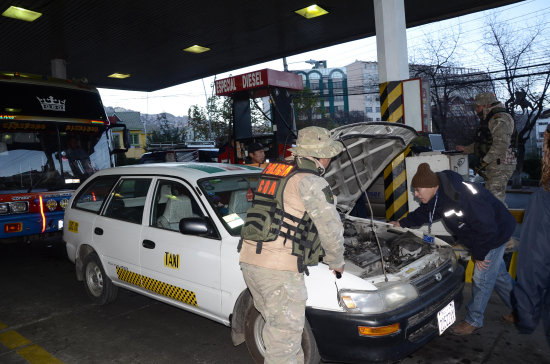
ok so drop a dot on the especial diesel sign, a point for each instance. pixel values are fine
(258, 80)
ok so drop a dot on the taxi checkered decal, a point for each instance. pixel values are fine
(127, 276)
(158, 287)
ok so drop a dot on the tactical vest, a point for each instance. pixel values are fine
(484, 139)
(266, 217)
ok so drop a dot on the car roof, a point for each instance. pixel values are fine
(191, 171)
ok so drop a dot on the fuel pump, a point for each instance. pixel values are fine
(276, 85)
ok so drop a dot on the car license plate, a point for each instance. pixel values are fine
(446, 317)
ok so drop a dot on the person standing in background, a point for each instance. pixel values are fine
(495, 159)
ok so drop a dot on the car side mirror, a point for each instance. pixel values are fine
(196, 226)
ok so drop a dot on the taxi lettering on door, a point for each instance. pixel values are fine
(171, 260)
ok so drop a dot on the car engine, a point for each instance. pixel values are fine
(397, 249)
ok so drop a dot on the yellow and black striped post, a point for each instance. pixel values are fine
(391, 101)
(395, 187)
(395, 175)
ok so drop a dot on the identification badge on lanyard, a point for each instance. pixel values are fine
(429, 238)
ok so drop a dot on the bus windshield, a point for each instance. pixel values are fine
(49, 157)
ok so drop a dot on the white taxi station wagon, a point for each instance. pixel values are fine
(170, 232)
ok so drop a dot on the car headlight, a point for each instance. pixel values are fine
(19, 207)
(4, 209)
(388, 297)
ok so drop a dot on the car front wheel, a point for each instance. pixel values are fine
(98, 285)
(254, 324)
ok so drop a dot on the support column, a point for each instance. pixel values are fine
(393, 67)
(59, 68)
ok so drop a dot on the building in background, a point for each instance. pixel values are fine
(331, 87)
(363, 90)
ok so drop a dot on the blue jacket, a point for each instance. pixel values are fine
(532, 290)
(476, 218)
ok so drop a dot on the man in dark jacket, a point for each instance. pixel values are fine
(479, 221)
(531, 296)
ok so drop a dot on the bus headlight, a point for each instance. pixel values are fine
(19, 207)
(386, 298)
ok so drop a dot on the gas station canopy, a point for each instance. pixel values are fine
(146, 39)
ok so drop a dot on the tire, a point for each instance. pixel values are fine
(253, 326)
(98, 285)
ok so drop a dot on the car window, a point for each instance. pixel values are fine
(128, 200)
(96, 191)
(230, 197)
(172, 202)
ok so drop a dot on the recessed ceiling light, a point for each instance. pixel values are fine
(196, 49)
(119, 75)
(21, 14)
(311, 11)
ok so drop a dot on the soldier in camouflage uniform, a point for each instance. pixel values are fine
(272, 273)
(497, 160)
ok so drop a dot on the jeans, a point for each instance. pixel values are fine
(483, 281)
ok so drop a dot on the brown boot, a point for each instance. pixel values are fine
(509, 318)
(463, 329)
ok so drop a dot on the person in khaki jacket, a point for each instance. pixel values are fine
(272, 254)
(496, 160)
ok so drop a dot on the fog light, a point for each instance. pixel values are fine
(13, 227)
(51, 204)
(60, 224)
(378, 331)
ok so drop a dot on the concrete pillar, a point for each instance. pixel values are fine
(391, 40)
(59, 68)
(393, 67)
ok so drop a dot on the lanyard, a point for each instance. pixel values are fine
(431, 215)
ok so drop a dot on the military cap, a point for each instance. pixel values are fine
(315, 141)
(485, 98)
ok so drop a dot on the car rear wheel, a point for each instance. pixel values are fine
(254, 324)
(98, 285)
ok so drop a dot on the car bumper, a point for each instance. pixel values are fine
(337, 337)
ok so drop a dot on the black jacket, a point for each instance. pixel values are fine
(475, 217)
(532, 290)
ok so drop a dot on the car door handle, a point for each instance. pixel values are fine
(148, 244)
(98, 231)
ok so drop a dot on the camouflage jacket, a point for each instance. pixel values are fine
(501, 128)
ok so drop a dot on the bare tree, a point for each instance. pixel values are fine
(523, 81)
(452, 86)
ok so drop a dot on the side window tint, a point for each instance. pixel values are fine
(128, 200)
(172, 202)
(96, 191)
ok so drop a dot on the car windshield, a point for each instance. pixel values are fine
(230, 197)
(49, 159)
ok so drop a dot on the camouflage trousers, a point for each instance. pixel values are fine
(280, 297)
(497, 178)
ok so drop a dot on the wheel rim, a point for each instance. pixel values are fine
(258, 338)
(94, 279)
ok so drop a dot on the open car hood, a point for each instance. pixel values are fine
(372, 146)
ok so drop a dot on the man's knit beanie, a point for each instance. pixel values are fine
(424, 177)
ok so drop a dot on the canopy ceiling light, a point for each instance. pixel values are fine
(119, 75)
(196, 49)
(311, 11)
(21, 14)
